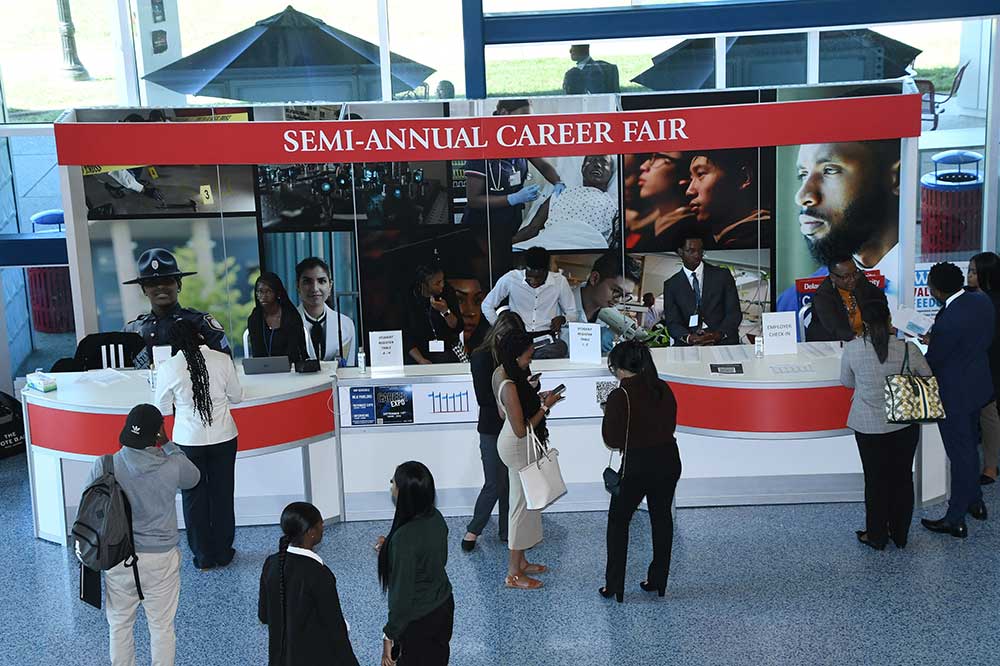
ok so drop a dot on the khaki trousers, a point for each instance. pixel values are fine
(160, 577)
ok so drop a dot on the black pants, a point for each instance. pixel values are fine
(425, 641)
(887, 460)
(496, 486)
(653, 474)
(209, 518)
(960, 435)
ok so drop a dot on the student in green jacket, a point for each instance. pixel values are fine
(411, 569)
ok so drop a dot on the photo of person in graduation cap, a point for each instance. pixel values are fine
(159, 277)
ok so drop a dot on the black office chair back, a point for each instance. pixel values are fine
(109, 350)
(67, 365)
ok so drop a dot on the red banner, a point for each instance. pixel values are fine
(427, 139)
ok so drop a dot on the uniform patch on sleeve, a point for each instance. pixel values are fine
(213, 323)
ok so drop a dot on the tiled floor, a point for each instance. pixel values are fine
(750, 585)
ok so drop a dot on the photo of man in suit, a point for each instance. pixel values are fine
(957, 352)
(701, 305)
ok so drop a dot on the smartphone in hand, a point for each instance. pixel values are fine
(559, 389)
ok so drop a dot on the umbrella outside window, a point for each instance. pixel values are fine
(289, 57)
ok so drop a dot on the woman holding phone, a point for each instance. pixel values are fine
(433, 320)
(523, 407)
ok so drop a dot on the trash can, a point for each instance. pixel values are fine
(51, 300)
(951, 203)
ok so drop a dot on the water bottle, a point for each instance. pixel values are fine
(361, 360)
(758, 346)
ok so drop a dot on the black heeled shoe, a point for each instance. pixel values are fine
(607, 594)
(863, 538)
(649, 587)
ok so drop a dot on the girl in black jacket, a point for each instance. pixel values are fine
(298, 597)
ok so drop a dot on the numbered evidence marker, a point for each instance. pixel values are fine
(206, 195)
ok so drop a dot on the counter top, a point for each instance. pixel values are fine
(79, 391)
(816, 365)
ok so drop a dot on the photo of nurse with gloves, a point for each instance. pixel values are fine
(497, 190)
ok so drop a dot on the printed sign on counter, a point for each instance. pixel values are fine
(394, 404)
(386, 349)
(779, 333)
(584, 343)
(362, 405)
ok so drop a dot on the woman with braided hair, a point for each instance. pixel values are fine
(198, 384)
(298, 597)
(522, 406)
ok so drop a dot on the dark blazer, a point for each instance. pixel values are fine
(314, 628)
(958, 353)
(482, 365)
(720, 305)
(424, 323)
(289, 339)
(829, 317)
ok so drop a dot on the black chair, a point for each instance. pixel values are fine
(67, 365)
(109, 350)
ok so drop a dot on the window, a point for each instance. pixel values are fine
(426, 35)
(338, 61)
(43, 73)
(606, 66)
(765, 60)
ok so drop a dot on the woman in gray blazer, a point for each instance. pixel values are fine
(886, 449)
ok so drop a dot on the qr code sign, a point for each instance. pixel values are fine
(604, 389)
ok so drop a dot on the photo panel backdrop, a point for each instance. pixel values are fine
(836, 200)
(735, 195)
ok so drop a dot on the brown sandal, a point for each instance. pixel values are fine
(522, 583)
(534, 569)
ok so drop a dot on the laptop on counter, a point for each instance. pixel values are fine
(266, 365)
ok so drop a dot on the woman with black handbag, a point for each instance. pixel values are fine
(639, 420)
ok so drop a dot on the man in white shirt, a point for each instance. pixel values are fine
(329, 334)
(542, 298)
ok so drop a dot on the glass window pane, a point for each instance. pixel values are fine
(426, 35)
(596, 67)
(45, 72)
(336, 58)
(765, 60)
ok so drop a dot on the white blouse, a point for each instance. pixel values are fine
(174, 394)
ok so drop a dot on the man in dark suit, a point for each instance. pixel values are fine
(836, 303)
(700, 303)
(958, 355)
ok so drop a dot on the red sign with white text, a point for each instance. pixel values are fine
(424, 139)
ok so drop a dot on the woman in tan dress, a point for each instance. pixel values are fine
(521, 404)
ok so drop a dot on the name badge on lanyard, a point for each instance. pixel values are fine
(515, 179)
(435, 345)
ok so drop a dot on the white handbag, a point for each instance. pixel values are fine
(540, 478)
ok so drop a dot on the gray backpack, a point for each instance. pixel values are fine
(102, 533)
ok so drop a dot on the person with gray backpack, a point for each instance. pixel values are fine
(148, 470)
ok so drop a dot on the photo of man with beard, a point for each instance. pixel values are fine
(848, 201)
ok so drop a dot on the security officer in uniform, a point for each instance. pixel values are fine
(160, 280)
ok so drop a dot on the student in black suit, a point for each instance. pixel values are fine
(957, 353)
(836, 304)
(298, 597)
(700, 303)
(984, 276)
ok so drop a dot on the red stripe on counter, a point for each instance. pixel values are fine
(260, 426)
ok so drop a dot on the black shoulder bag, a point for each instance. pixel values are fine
(613, 479)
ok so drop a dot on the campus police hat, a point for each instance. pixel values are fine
(141, 427)
(156, 263)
